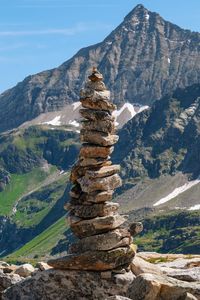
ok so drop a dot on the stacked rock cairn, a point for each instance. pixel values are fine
(103, 243)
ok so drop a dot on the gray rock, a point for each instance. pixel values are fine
(94, 210)
(106, 241)
(152, 287)
(83, 228)
(6, 280)
(101, 126)
(69, 285)
(96, 115)
(89, 185)
(94, 260)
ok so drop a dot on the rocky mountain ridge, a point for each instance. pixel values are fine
(142, 60)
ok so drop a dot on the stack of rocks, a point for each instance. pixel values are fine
(103, 244)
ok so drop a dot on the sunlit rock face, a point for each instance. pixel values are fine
(142, 60)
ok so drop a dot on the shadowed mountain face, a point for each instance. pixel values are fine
(163, 140)
(142, 60)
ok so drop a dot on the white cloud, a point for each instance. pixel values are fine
(78, 28)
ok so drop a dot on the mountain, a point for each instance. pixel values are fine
(142, 60)
(161, 158)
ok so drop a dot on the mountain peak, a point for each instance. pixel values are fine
(139, 10)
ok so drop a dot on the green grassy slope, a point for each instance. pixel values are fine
(40, 247)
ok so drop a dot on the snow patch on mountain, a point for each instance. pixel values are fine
(55, 122)
(69, 116)
(178, 191)
(127, 112)
(195, 207)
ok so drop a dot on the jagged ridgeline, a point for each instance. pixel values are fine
(103, 243)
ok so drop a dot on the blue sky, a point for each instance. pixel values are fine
(41, 34)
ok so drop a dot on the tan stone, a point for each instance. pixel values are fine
(25, 270)
(98, 101)
(83, 228)
(94, 260)
(106, 126)
(94, 210)
(96, 76)
(97, 197)
(75, 191)
(139, 266)
(96, 115)
(103, 171)
(102, 242)
(91, 151)
(153, 287)
(98, 138)
(85, 161)
(89, 185)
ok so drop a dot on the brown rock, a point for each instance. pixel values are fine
(96, 115)
(97, 197)
(42, 266)
(94, 260)
(98, 138)
(106, 126)
(95, 85)
(96, 75)
(135, 228)
(89, 185)
(85, 162)
(83, 228)
(103, 171)
(102, 242)
(91, 151)
(25, 270)
(98, 101)
(94, 210)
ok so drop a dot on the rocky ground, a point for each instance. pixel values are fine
(151, 276)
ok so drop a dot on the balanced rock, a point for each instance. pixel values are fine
(96, 75)
(94, 210)
(83, 228)
(106, 241)
(92, 151)
(95, 161)
(97, 197)
(106, 126)
(98, 138)
(89, 185)
(103, 171)
(98, 101)
(95, 260)
(96, 115)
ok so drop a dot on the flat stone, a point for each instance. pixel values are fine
(96, 76)
(96, 115)
(92, 171)
(97, 197)
(95, 85)
(89, 185)
(85, 161)
(83, 228)
(153, 286)
(106, 126)
(103, 171)
(98, 101)
(103, 242)
(94, 210)
(91, 151)
(94, 260)
(139, 266)
(98, 138)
